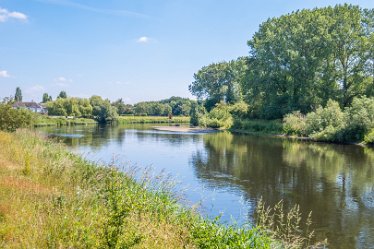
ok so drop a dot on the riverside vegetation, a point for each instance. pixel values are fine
(51, 198)
(307, 62)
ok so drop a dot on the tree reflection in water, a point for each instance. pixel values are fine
(335, 182)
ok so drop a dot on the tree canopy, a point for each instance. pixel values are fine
(296, 62)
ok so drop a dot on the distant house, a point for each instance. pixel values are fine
(32, 106)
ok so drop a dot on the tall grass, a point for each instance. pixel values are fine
(258, 126)
(42, 120)
(50, 198)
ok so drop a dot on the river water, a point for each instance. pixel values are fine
(227, 174)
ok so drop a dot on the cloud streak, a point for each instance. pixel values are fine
(71, 4)
(143, 39)
(5, 15)
(4, 74)
(62, 81)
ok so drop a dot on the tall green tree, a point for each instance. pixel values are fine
(301, 60)
(46, 98)
(18, 95)
(219, 82)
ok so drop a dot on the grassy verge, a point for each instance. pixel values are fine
(258, 126)
(42, 120)
(50, 198)
(152, 120)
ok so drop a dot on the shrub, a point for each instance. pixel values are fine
(239, 109)
(369, 138)
(220, 117)
(258, 125)
(326, 124)
(12, 119)
(359, 119)
(294, 124)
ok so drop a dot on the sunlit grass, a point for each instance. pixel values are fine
(50, 198)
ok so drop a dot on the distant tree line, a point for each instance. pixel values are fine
(106, 111)
(297, 62)
(175, 106)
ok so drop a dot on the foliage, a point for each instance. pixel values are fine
(369, 138)
(219, 82)
(62, 95)
(12, 119)
(359, 119)
(102, 110)
(123, 108)
(175, 106)
(258, 126)
(74, 107)
(239, 109)
(332, 124)
(294, 124)
(326, 124)
(219, 117)
(195, 116)
(297, 62)
(18, 95)
(43, 120)
(46, 98)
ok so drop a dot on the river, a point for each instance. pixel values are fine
(226, 174)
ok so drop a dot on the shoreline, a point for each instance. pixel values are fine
(185, 129)
(284, 136)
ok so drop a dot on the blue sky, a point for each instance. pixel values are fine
(137, 50)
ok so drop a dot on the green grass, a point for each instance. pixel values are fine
(259, 126)
(153, 120)
(42, 120)
(51, 198)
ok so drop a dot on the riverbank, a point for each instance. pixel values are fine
(153, 120)
(42, 121)
(50, 198)
(185, 129)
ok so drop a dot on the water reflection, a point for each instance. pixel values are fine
(335, 182)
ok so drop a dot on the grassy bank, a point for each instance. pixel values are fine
(42, 120)
(258, 126)
(50, 198)
(153, 120)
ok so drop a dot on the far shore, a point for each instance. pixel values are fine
(185, 129)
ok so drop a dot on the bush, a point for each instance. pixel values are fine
(326, 124)
(369, 138)
(12, 119)
(294, 124)
(220, 117)
(359, 119)
(258, 125)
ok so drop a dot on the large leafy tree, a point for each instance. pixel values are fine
(300, 60)
(219, 82)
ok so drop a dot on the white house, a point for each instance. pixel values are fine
(32, 106)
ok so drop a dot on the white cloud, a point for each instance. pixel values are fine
(143, 39)
(62, 81)
(5, 15)
(4, 74)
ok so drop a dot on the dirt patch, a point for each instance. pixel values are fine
(22, 184)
